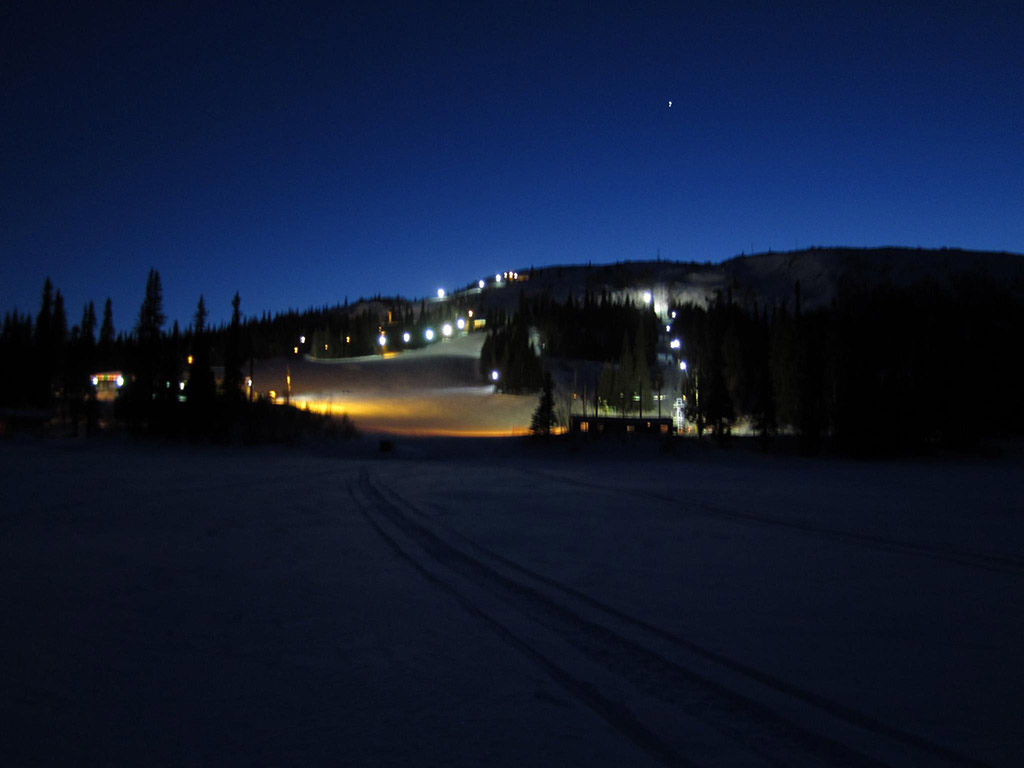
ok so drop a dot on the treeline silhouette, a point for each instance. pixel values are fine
(882, 370)
(187, 382)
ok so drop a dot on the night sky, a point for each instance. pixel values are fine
(302, 154)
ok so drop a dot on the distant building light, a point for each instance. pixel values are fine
(675, 344)
(446, 330)
(120, 381)
(480, 283)
(668, 329)
(470, 313)
(190, 359)
(682, 365)
(673, 314)
(494, 375)
(440, 293)
(497, 278)
(429, 334)
(295, 350)
(181, 386)
(302, 339)
(406, 337)
(460, 324)
(95, 380)
(647, 297)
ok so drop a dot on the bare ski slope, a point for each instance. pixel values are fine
(487, 603)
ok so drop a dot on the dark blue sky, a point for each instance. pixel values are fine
(302, 155)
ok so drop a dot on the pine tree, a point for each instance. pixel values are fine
(543, 420)
(146, 361)
(105, 351)
(233, 351)
(44, 320)
(625, 378)
(88, 328)
(201, 387)
(151, 313)
(59, 323)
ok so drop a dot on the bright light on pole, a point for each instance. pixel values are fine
(383, 340)
(494, 375)
(460, 324)
(302, 339)
(647, 297)
(682, 365)
(480, 284)
(429, 334)
(440, 293)
(675, 344)
(120, 381)
(446, 330)
(406, 337)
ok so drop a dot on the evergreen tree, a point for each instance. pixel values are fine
(641, 370)
(544, 420)
(106, 341)
(233, 351)
(201, 388)
(59, 323)
(625, 379)
(44, 320)
(151, 313)
(88, 327)
(145, 364)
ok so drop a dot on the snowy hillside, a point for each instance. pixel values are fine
(435, 390)
(767, 278)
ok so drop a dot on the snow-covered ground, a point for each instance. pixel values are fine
(435, 390)
(497, 603)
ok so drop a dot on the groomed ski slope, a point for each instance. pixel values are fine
(433, 391)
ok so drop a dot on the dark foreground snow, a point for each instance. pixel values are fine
(497, 604)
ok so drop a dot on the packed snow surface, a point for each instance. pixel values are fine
(495, 602)
(436, 390)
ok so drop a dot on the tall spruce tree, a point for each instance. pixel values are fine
(543, 420)
(233, 351)
(201, 388)
(105, 347)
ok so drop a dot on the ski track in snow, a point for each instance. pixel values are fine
(637, 667)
